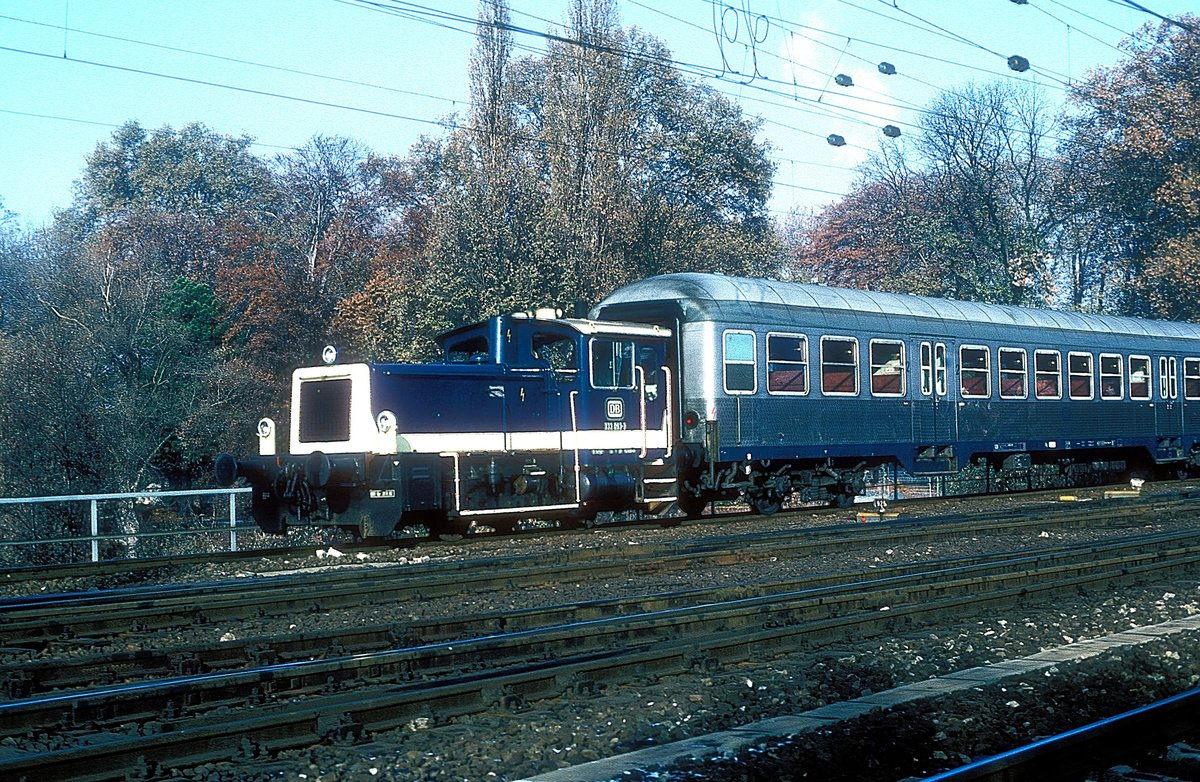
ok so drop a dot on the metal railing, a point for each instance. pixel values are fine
(129, 526)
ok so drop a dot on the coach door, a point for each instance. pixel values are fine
(934, 415)
(1168, 414)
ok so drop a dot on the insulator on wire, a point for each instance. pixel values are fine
(1018, 63)
(887, 69)
(843, 80)
(891, 131)
(836, 140)
(1021, 2)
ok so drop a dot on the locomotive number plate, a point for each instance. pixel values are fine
(382, 494)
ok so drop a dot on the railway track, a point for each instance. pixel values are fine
(134, 569)
(268, 707)
(34, 622)
(27, 678)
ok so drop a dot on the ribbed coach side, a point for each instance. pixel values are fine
(787, 386)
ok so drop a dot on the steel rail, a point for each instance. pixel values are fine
(900, 594)
(42, 573)
(1091, 747)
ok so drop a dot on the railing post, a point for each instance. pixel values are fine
(95, 533)
(232, 522)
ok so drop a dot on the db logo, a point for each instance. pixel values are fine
(615, 409)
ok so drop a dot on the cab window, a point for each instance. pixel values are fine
(612, 363)
(558, 352)
(472, 349)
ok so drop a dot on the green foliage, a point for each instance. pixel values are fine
(194, 307)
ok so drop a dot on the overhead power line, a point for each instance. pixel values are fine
(446, 124)
(235, 60)
(1139, 7)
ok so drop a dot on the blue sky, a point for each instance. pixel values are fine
(407, 71)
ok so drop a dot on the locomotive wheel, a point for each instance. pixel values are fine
(843, 500)
(691, 506)
(268, 514)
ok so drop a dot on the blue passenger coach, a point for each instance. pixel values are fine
(789, 387)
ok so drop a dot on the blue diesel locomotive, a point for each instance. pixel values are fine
(687, 388)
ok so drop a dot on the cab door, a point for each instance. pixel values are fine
(622, 406)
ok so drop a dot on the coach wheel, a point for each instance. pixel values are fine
(765, 505)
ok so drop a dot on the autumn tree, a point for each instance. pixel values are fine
(973, 208)
(1137, 136)
(575, 172)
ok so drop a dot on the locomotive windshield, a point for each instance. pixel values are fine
(470, 349)
(325, 410)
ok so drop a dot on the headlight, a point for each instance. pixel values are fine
(329, 355)
(266, 428)
(386, 421)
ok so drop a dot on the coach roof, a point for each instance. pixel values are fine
(717, 297)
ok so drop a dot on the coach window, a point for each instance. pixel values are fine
(1047, 374)
(887, 367)
(839, 366)
(939, 369)
(1079, 372)
(1139, 377)
(1112, 382)
(1014, 374)
(1191, 378)
(740, 361)
(612, 363)
(787, 364)
(1168, 382)
(974, 372)
(926, 368)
